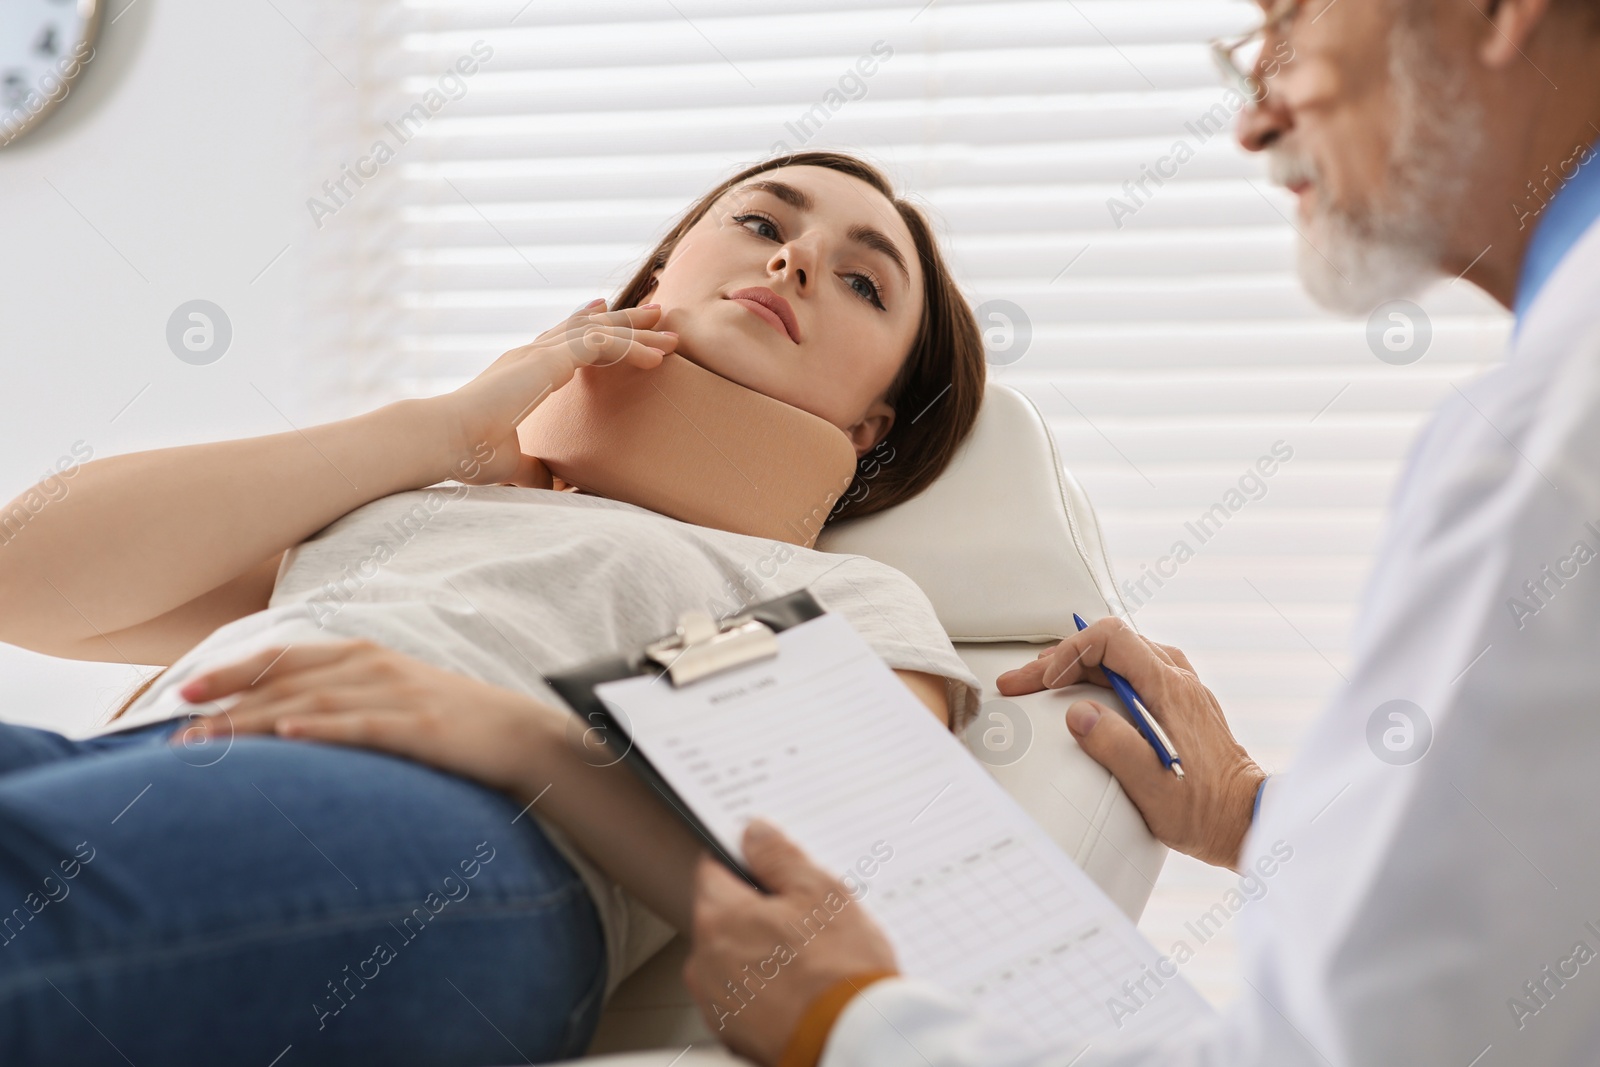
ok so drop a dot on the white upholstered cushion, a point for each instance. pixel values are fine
(1005, 543)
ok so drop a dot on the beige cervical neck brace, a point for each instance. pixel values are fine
(692, 445)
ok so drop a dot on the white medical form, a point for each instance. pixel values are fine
(825, 742)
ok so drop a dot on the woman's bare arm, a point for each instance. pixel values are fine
(139, 535)
(930, 690)
(161, 547)
(164, 639)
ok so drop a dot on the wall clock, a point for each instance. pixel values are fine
(44, 47)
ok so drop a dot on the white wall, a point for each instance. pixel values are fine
(176, 170)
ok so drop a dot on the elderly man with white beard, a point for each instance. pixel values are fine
(1443, 906)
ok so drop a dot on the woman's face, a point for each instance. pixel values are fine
(803, 284)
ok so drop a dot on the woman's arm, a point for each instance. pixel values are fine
(165, 638)
(930, 689)
(163, 546)
(140, 535)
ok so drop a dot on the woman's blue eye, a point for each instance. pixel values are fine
(867, 288)
(765, 222)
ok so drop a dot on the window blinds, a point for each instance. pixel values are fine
(1078, 156)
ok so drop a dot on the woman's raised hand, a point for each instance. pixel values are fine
(481, 417)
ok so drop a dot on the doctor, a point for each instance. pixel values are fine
(1443, 906)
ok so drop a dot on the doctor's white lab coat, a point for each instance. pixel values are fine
(1443, 905)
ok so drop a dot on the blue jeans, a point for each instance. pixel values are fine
(238, 903)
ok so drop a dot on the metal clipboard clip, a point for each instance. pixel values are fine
(701, 648)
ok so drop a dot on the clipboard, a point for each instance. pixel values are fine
(815, 733)
(699, 648)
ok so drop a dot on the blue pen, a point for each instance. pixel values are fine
(1142, 718)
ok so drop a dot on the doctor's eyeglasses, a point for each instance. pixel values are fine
(1238, 57)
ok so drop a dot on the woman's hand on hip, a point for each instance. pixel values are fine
(367, 695)
(1205, 814)
(480, 419)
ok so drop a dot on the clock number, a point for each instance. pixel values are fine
(45, 44)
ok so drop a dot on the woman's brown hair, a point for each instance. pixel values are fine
(939, 388)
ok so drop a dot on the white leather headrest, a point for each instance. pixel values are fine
(1005, 543)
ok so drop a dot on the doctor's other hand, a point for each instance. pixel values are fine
(479, 421)
(748, 943)
(1205, 814)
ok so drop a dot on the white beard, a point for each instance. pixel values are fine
(1352, 258)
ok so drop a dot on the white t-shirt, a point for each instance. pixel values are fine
(507, 585)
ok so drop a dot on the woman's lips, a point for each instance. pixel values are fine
(772, 307)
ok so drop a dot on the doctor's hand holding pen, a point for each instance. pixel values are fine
(1206, 811)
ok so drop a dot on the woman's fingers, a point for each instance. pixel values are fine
(647, 317)
(256, 712)
(406, 734)
(597, 306)
(399, 733)
(277, 661)
(530, 375)
(396, 732)
(602, 346)
(365, 675)
(257, 720)
(596, 314)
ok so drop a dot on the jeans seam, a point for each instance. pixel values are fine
(571, 1046)
(177, 950)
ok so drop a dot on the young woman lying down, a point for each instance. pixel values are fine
(169, 895)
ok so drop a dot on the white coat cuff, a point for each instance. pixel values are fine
(902, 1022)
